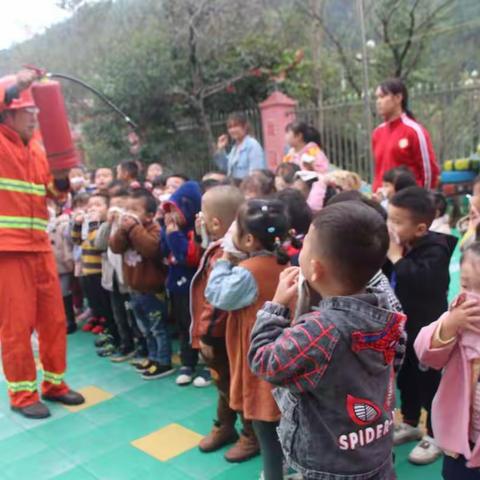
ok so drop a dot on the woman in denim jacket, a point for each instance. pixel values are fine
(245, 156)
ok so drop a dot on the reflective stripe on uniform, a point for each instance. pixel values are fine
(22, 386)
(55, 378)
(20, 186)
(23, 223)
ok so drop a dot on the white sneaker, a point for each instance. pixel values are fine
(404, 433)
(425, 452)
(185, 376)
(201, 382)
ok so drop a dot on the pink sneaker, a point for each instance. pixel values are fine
(85, 315)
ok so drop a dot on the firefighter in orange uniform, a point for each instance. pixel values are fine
(30, 296)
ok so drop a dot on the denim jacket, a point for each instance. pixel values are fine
(337, 395)
(230, 287)
(308, 298)
(242, 159)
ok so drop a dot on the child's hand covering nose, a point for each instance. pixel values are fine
(287, 286)
(171, 223)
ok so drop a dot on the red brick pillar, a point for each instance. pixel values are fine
(277, 111)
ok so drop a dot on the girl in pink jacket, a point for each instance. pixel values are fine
(452, 343)
(305, 147)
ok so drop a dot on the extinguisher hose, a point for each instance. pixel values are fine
(99, 94)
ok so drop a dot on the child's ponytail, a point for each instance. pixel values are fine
(282, 256)
(295, 241)
(267, 221)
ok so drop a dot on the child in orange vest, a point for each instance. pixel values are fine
(242, 289)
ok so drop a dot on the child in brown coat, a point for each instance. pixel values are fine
(138, 240)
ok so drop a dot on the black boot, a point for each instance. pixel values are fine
(70, 314)
(36, 411)
(69, 398)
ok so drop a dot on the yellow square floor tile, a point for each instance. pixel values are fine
(93, 395)
(168, 442)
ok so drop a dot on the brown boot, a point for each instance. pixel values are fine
(247, 447)
(220, 436)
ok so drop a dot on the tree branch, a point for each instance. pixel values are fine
(386, 39)
(408, 42)
(385, 22)
(427, 21)
(220, 86)
(400, 49)
(413, 62)
(338, 46)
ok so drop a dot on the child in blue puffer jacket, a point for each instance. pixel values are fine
(183, 254)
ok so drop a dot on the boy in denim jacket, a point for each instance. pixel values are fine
(334, 364)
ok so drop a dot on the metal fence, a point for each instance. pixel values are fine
(218, 123)
(450, 113)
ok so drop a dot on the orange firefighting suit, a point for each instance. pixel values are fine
(30, 296)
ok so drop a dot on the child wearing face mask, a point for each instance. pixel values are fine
(77, 181)
(452, 344)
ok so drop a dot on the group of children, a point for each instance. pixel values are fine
(306, 318)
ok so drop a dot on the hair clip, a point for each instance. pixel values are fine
(271, 229)
(265, 208)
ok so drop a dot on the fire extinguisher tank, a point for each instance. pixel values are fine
(54, 127)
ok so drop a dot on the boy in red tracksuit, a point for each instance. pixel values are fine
(219, 209)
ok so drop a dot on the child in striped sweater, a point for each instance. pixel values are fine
(97, 296)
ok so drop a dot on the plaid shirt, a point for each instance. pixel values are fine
(296, 356)
(308, 298)
(299, 357)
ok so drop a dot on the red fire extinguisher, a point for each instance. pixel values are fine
(53, 119)
(53, 122)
